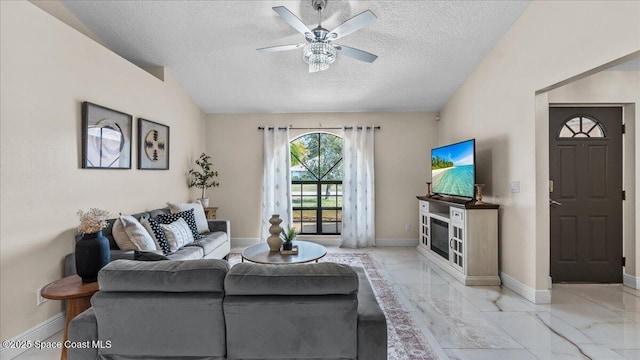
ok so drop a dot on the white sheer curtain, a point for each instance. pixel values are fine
(358, 199)
(276, 180)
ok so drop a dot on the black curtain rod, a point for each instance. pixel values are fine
(317, 128)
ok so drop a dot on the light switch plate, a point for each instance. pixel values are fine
(515, 186)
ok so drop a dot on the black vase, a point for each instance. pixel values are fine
(92, 254)
(287, 246)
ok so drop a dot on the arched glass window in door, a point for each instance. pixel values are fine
(316, 183)
(581, 127)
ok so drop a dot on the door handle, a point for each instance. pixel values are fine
(553, 202)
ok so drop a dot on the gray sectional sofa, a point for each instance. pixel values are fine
(201, 309)
(215, 244)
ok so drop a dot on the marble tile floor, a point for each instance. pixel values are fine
(493, 322)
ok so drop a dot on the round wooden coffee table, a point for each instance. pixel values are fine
(307, 252)
(77, 294)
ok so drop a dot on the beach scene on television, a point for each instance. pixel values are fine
(452, 170)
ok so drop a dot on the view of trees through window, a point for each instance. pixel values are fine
(316, 183)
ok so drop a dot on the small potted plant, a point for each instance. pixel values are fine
(288, 236)
(203, 178)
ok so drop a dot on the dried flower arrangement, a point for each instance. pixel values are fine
(92, 221)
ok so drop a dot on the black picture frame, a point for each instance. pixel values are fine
(153, 145)
(106, 137)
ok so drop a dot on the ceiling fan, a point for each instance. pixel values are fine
(320, 52)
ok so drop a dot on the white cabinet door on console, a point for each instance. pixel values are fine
(457, 251)
(424, 223)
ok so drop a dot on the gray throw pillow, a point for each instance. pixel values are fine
(137, 233)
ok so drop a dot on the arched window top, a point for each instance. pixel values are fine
(581, 127)
(316, 156)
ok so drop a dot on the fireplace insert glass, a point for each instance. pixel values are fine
(440, 237)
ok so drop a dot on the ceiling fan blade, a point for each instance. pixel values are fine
(356, 54)
(292, 20)
(352, 25)
(279, 48)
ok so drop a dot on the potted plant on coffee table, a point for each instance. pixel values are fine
(288, 236)
(203, 178)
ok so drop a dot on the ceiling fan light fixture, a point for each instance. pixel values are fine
(319, 55)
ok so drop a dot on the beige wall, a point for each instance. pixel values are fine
(402, 151)
(47, 69)
(619, 88)
(497, 105)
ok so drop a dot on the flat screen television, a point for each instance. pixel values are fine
(453, 169)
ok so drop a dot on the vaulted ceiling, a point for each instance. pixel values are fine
(426, 50)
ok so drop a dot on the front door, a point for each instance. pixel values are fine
(585, 169)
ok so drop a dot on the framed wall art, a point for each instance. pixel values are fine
(106, 138)
(153, 145)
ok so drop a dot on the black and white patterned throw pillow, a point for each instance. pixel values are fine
(157, 233)
(187, 215)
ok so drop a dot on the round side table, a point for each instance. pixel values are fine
(78, 296)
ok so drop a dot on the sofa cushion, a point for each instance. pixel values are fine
(210, 241)
(297, 279)
(201, 275)
(187, 253)
(137, 234)
(198, 214)
(178, 234)
(302, 311)
(186, 215)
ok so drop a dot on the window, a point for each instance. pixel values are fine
(581, 127)
(316, 183)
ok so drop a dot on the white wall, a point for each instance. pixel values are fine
(497, 105)
(402, 151)
(47, 69)
(616, 88)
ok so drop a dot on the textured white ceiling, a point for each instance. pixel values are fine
(426, 50)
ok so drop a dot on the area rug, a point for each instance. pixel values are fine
(405, 340)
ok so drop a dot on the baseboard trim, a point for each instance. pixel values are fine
(330, 241)
(631, 281)
(243, 241)
(40, 332)
(533, 295)
(397, 242)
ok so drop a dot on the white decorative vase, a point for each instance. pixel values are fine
(204, 202)
(274, 241)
